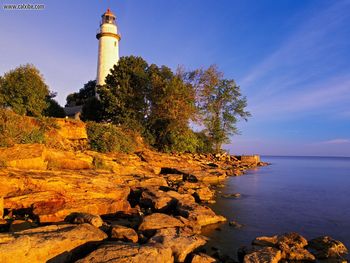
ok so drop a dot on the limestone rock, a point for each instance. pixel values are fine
(1, 207)
(202, 215)
(159, 221)
(202, 258)
(291, 240)
(265, 241)
(19, 225)
(156, 199)
(327, 247)
(299, 254)
(52, 195)
(24, 156)
(129, 253)
(42, 244)
(80, 218)
(181, 243)
(124, 233)
(264, 255)
(204, 194)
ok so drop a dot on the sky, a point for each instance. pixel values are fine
(291, 58)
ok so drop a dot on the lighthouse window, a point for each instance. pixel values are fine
(115, 43)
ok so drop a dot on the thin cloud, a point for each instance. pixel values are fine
(302, 74)
(336, 141)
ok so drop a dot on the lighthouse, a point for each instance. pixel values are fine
(108, 46)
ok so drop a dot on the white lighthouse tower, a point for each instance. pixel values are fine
(108, 46)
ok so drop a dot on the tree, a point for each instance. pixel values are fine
(81, 97)
(124, 97)
(220, 104)
(92, 110)
(54, 109)
(172, 105)
(24, 91)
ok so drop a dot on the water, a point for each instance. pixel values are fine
(308, 195)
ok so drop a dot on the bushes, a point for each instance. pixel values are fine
(17, 129)
(109, 138)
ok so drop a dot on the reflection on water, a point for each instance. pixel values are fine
(308, 195)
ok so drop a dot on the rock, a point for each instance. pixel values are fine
(19, 225)
(291, 240)
(235, 224)
(296, 253)
(202, 258)
(201, 215)
(174, 178)
(158, 221)
(204, 194)
(154, 181)
(327, 247)
(235, 195)
(80, 218)
(181, 197)
(264, 255)
(52, 195)
(24, 156)
(156, 199)
(265, 241)
(129, 252)
(1, 207)
(124, 233)
(53, 243)
(181, 243)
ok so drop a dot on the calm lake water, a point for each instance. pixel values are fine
(308, 195)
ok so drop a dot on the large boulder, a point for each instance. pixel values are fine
(124, 233)
(326, 247)
(264, 255)
(129, 253)
(158, 221)
(180, 241)
(265, 241)
(55, 243)
(202, 215)
(80, 218)
(203, 258)
(156, 199)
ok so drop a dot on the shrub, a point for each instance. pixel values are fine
(181, 141)
(16, 129)
(109, 138)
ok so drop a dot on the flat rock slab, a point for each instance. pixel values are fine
(49, 243)
(158, 221)
(129, 253)
(179, 241)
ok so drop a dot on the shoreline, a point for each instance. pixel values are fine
(133, 205)
(157, 201)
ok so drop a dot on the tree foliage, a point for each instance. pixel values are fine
(24, 91)
(84, 94)
(54, 109)
(124, 98)
(220, 104)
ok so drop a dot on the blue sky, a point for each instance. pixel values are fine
(291, 58)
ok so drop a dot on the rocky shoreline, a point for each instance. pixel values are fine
(142, 207)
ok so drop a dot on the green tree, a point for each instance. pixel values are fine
(24, 91)
(54, 109)
(92, 110)
(220, 104)
(81, 97)
(172, 106)
(124, 97)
